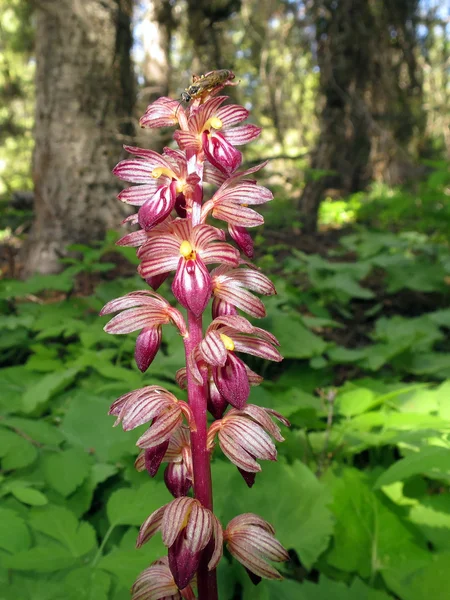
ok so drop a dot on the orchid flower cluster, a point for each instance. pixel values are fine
(217, 380)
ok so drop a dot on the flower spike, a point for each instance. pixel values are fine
(173, 240)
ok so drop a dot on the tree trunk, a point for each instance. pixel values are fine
(84, 99)
(371, 97)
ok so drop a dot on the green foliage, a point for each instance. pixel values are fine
(359, 494)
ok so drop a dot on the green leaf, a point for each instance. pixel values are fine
(131, 507)
(46, 558)
(369, 537)
(299, 514)
(47, 387)
(13, 382)
(30, 587)
(61, 524)
(126, 562)
(87, 583)
(325, 589)
(86, 424)
(296, 341)
(26, 494)
(14, 534)
(432, 461)
(421, 581)
(65, 471)
(16, 452)
(39, 431)
(355, 402)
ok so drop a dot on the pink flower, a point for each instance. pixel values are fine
(186, 528)
(164, 112)
(231, 204)
(163, 180)
(244, 436)
(210, 128)
(144, 310)
(177, 452)
(176, 245)
(251, 541)
(223, 337)
(228, 285)
(157, 583)
(151, 403)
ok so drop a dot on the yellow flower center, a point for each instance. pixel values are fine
(156, 173)
(227, 341)
(213, 122)
(186, 250)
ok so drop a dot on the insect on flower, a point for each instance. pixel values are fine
(213, 81)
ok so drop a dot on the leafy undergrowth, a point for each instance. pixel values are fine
(360, 492)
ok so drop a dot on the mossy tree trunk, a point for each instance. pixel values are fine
(84, 99)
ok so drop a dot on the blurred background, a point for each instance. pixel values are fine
(353, 97)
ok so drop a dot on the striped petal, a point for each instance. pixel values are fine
(134, 170)
(198, 528)
(251, 541)
(242, 135)
(138, 194)
(237, 215)
(231, 114)
(150, 526)
(256, 347)
(175, 518)
(212, 349)
(220, 252)
(161, 430)
(161, 113)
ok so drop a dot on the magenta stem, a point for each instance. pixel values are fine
(197, 395)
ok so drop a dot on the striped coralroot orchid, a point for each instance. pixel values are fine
(174, 240)
(251, 541)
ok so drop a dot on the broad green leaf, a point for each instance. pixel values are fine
(296, 341)
(131, 507)
(65, 471)
(288, 496)
(340, 354)
(14, 534)
(31, 587)
(432, 516)
(46, 558)
(355, 402)
(38, 431)
(86, 424)
(87, 583)
(47, 387)
(80, 501)
(325, 589)
(16, 451)
(415, 581)
(126, 562)
(13, 383)
(26, 494)
(433, 461)
(369, 537)
(60, 524)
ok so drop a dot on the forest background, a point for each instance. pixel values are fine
(353, 97)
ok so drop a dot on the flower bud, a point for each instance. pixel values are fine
(232, 381)
(147, 346)
(177, 480)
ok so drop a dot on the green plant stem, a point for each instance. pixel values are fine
(102, 545)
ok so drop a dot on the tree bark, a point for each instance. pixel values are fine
(371, 104)
(84, 99)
